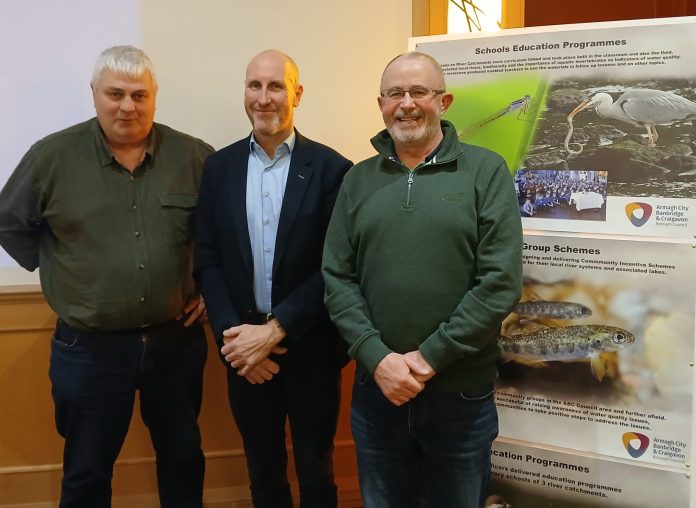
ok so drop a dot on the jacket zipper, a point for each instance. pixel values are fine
(409, 181)
(407, 204)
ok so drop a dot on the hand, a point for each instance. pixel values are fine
(394, 378)
(421, 370)
(263, 372)
(248, 345)
(194, 308)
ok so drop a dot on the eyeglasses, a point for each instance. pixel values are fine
(417, 93)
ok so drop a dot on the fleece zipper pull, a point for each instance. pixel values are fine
(407, 204)
(411, 173)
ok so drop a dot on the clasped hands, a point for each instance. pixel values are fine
(402, 377)
(246, 348)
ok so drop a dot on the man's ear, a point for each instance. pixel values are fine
(298, 95)
(447, 100)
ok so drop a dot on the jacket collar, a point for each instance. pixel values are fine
(450, 148)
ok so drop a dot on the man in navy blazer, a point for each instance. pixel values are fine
(263, 209)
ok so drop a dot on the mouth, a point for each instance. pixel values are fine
(408, 120)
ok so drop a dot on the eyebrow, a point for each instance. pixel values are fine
(119, 89)
(270, 83)
(114, 87)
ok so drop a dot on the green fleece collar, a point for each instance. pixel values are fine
(449, 150)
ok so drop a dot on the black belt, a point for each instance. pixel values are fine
(161, 328)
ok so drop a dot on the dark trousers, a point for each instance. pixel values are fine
(309, 397)
(94, 378)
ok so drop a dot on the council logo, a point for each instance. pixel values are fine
(630, 438)
(638, 213)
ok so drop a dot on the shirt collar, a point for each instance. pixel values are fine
(106, 155)
(285, 147)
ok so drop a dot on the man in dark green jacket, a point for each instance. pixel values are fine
(422, 262)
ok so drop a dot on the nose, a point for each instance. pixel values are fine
(127, 104)
(264, 96)
(407, 101)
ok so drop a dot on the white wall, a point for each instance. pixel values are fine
(200, 50)
(48, 51)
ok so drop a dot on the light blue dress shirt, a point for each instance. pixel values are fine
(266, 179)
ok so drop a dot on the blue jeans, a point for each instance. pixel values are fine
(94, 378)
(433, 451)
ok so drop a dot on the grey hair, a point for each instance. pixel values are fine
(439, 75)
(127, 60)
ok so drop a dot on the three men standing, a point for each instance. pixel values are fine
(264, 206)
(105, 208)
(422, 262)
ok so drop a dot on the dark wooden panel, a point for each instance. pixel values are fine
(31, 450)
(553, 12)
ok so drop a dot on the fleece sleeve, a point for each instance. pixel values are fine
(498, 282)
(344, 298)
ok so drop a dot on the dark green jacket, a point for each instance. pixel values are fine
(428, 259)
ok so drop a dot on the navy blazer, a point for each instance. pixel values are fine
(223, 260)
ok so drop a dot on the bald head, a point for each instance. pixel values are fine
(434, 71)
(276, 57)
(271, 93)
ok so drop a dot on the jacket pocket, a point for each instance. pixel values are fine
(178, 210)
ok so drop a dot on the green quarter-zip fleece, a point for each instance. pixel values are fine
(427, 259)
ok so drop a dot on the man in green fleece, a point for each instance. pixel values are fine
(422, 262)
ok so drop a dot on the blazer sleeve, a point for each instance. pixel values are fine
(208, 270)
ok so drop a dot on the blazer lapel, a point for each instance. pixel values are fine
(299, 174)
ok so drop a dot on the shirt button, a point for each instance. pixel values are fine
(137, 233)
(134, 207)
(141, 266)
(266, 221)
(142, 299)
(265, 194)
(268, 249)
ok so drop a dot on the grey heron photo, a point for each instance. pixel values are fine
(641, 107)
(641, 132)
